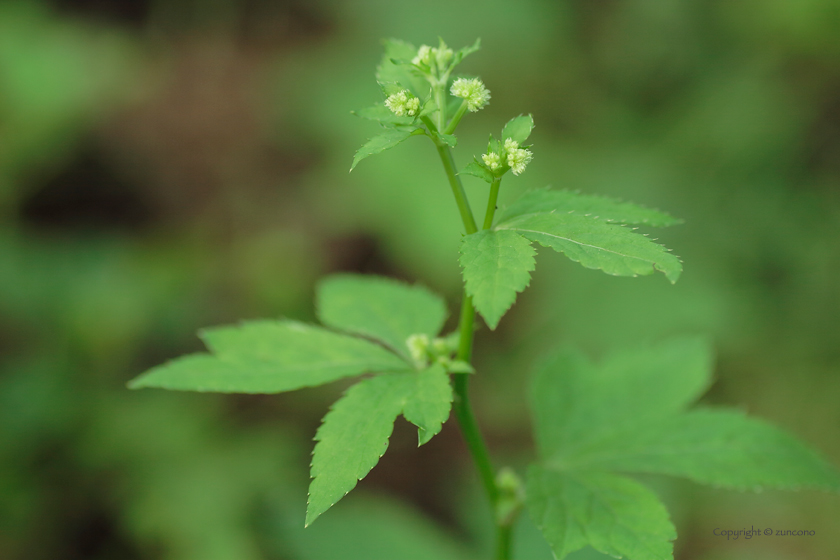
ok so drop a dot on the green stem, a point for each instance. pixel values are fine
(491, 203)
(462, 408)
(440, 101)
(456, 118)
(457, 188)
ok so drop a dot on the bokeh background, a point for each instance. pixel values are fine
(172, 164)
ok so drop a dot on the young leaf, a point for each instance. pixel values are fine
(270, 357)
(576, 402)
(382, 114)
(595, 244)
(450, 139)
(429, 403)
(382, 142)
(497, 265)
(518, 129)
(610, 513)
(396, 67)
(461, 54)
(718, 447)
(475, 169)
(599, 207)
(380, 308)
(355, 432)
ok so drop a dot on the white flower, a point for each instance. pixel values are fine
(511, 144)
(473, 91)
(518, 158)
(492, 160)
(403, 103)
(428, 55)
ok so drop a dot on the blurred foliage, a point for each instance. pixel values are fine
(171, 165)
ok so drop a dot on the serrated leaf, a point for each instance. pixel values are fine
(430, 401)
(496, 265)
(270, 357)
(576, 402)
(355, 432)
(383, 115)
(596, 244)
(599, 207)
(382, 142)
(518, 128)
(610, 513)
(475, 169)
(717, 447)
(462, 53)
(380, 308)
(401, 71)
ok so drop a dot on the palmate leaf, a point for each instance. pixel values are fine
(596, 244)
(628, 414)
(599, 207)
(496, 265)
(354, 434)
(380, 308)
(270, 357)
(384, 141)
(610, 513)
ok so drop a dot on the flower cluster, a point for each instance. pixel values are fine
(429, 56)
(517, 158)
(403, 103)
(472, 91)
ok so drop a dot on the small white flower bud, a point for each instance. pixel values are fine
(418, 347)
(403, 103)
(473, 91)
(424, 56)
(518, 158)
(492, 160)
(443, 55)
(511, 144)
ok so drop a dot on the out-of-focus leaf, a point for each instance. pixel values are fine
(382, 142)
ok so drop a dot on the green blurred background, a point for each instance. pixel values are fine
(172, 164)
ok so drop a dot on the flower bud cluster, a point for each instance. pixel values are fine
(472, 91)
(433, 56)
(403, 103)
(517, 158)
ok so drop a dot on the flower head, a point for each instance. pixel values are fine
(492, 160)
(418, 347)
(472, 91)
(403, 103)
(424, 55)
(517, 158)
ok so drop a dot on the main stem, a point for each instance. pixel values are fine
(463, 409)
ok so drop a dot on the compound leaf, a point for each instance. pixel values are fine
(385, 141)
(355, 432)
(598, 207)
(718, 447)
(518, 129)
(596, 244)
(380, 308)
(610, 513)
(497, 265)
(270, 357)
